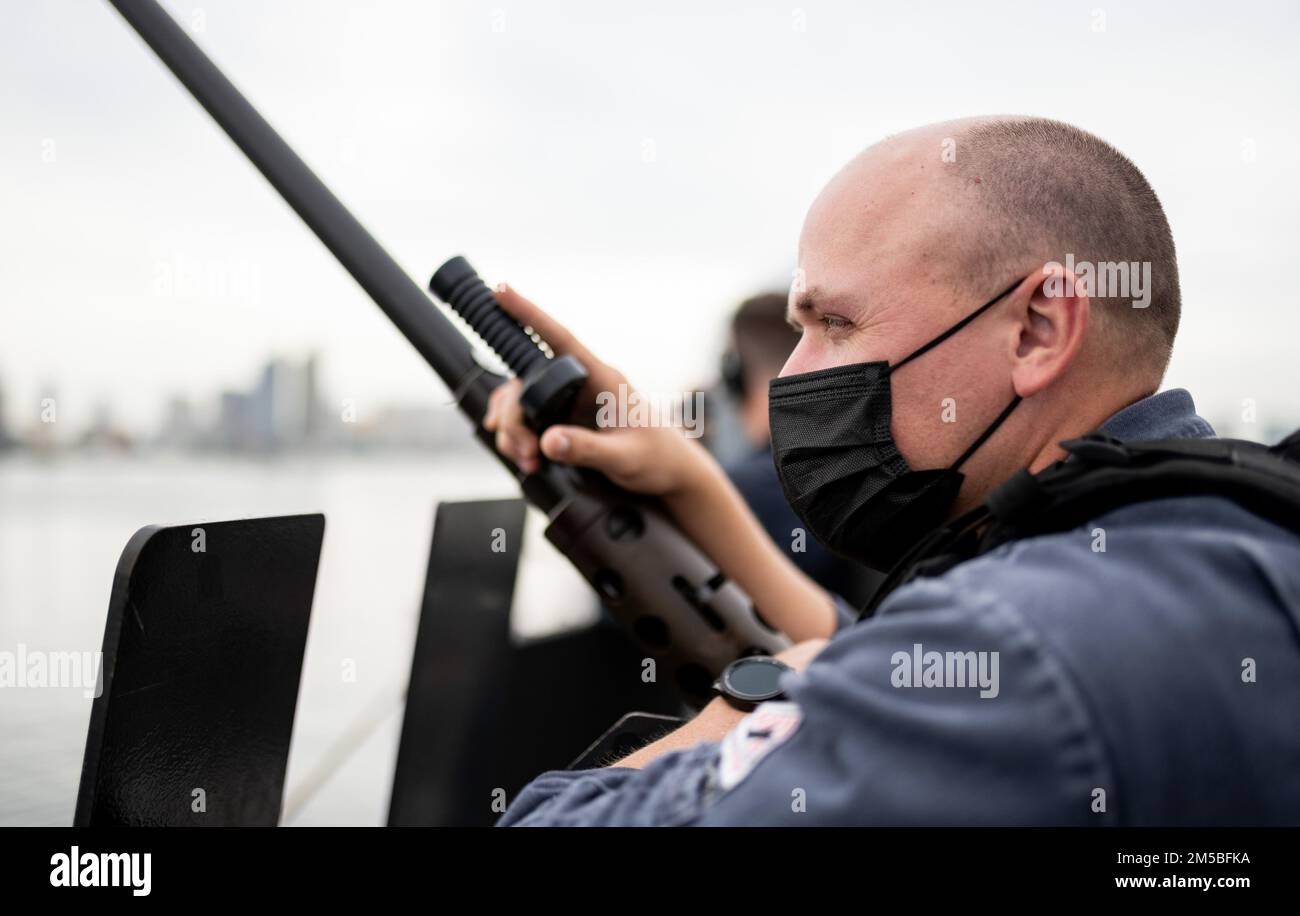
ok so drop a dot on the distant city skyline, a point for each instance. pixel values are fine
(283, 410)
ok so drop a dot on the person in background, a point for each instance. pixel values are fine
(761, 341)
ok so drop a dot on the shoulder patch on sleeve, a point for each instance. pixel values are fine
(757, 735)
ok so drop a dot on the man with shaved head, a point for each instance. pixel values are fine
(969, 296)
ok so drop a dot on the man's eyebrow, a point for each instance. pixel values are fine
(816, 299)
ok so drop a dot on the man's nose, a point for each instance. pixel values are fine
(807, 356)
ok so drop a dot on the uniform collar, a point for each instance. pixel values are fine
(1167, 415)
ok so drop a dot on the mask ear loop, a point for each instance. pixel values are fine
(984, 436)
(926, 348)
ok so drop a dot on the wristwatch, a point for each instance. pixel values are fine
(746, 682)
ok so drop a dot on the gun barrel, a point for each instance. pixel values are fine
(405, 303)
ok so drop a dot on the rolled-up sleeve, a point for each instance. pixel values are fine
(671, 791)
(846, 615)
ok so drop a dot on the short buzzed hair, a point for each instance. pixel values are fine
(1049, 190)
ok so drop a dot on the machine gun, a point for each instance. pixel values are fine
(654, 579)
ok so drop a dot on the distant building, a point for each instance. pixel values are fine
(234, 430)
(179, 428)
(280, 412)
(416, 427)
(103, 432)
(6, 440)
(312, 411)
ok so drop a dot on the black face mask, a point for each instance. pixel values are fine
(840, 468)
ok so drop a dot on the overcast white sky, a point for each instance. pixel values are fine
(637, 168)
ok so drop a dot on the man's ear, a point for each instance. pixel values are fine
(1051, 322)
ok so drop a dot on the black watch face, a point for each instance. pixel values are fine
(755, 679)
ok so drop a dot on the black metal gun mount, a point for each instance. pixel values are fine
(656, 580)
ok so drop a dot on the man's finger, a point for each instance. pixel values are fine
(498, 402)
(514, 438)
(551, 331)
